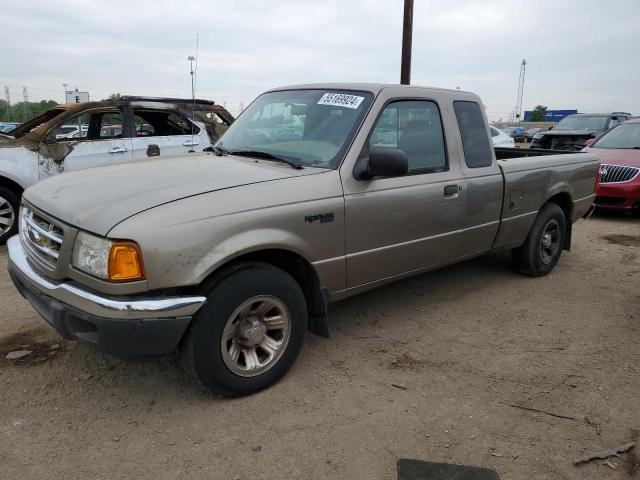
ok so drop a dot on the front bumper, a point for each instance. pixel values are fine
(129, 326)
(619, 196)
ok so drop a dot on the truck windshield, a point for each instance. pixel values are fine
(310, 127)
(582, 122)
(623, 136)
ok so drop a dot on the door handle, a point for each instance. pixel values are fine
(451, 190)
(189, 143)
(118, 150)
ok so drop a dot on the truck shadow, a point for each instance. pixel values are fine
(146, 381)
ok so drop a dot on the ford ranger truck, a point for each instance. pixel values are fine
(314, 194)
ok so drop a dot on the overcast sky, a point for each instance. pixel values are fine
(580, 54)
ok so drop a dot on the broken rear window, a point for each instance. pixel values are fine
(157, 123)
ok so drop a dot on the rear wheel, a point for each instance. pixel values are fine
(249, 332)
(545, 242)
(9, 206)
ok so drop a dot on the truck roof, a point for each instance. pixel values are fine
(367, 87)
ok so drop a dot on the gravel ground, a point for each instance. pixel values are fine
(429, 368)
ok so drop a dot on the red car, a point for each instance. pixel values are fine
(619, 154)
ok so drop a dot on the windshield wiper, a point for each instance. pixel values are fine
(265, 155)
(219, 151)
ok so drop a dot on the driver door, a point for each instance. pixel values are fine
(100, 139)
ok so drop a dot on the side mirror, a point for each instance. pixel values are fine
(589, 142)
(382, 162)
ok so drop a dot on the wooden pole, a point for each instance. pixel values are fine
(407, 33)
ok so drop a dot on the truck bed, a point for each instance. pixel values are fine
(505, 153)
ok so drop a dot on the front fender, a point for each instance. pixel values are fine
(247, 242)
(19, 165)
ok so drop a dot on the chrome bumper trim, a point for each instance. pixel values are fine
(133, 308)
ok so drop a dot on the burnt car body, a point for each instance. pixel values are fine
(91, 134)
(573, 131)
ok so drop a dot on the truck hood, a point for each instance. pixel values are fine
(97, 199)
(571, 133)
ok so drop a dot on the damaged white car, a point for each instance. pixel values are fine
(76, 136)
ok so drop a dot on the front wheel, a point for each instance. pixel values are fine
(9, 206)
(249, 332)
(545, 242)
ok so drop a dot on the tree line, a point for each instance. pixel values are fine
(20, 112)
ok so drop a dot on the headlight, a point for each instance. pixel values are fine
(109, 260)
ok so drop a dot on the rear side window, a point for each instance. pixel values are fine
(475, 141)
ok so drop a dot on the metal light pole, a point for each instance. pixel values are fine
(64, 99)
(192, 59)
(407, 33)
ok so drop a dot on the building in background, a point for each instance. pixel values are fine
(551, 115)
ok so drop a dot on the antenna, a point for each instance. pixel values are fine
(523, 66)
(193, 72)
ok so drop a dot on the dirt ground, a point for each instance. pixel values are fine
(429, 368)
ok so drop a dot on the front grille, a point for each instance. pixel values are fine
(617, 173)
(42, 239)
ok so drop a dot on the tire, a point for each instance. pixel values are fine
(9, 208)
(258, 349)
(545, 242)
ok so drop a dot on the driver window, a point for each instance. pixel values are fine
(96, 125)
(73, 128)
(414, 127)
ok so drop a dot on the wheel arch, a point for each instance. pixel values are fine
(565, 202)
(290, 262)
(11, 184)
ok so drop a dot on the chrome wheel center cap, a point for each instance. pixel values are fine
(251, 332)
(546, 240)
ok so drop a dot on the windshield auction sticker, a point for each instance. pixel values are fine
(341, 100)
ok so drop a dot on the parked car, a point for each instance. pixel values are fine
(531, 132)
(6, 127)
(501, 139)
(231, 259)
(76, 136)
(71, 131)
(517, 133)
(619, 154)
(573, 131)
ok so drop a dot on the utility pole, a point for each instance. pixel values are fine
(407, 34)
(523, 66)
(25, 100)
(64, 98)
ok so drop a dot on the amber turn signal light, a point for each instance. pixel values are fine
(125, 263)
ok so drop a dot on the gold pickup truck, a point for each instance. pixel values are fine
(315, 193)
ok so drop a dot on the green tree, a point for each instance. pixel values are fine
(538, 114)
(112, 97)
(20, 112)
